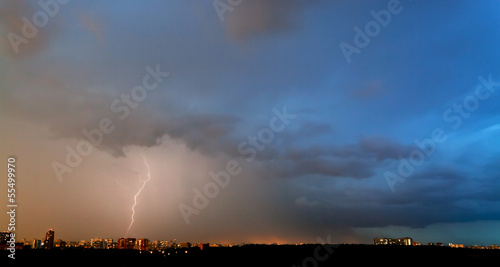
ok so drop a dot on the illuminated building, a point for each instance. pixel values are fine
(121, 243)
(4, 237)
(165, 244)
(381, 241)
(97, 243)
(155, 245)
(72, 244)
(395, 241)
(407, 241)
(126, 243)
(35, 243)
(203, 246)
(185, 245)
(130, 244)
(108, 243)
(141, 244)
(48, 243)
(59, 243)
(82, 243)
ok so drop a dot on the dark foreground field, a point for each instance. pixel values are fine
(258, 255)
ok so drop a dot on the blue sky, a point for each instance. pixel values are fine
(324, 173)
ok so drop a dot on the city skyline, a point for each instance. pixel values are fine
(252, 121)
(406, 241)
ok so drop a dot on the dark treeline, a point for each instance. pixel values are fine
(258, 255)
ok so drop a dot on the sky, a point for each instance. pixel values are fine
(255, 121)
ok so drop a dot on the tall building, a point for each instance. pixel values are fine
(407, 241)
(130, 244)
(121, 243)
(48, 243)
(108, 243)
(35, 243)
(142, 244)
(126, 243)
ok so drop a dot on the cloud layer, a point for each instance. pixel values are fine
(323, 173)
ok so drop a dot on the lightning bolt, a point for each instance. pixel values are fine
(138, 193)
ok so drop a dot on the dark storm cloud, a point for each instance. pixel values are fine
(200, 132)
(350, 161)
(339, 167)
(84, 109)
(323, 171)
(367, 147)
(377, 147)
(252, 18)
(18, 17)
(438, 194)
